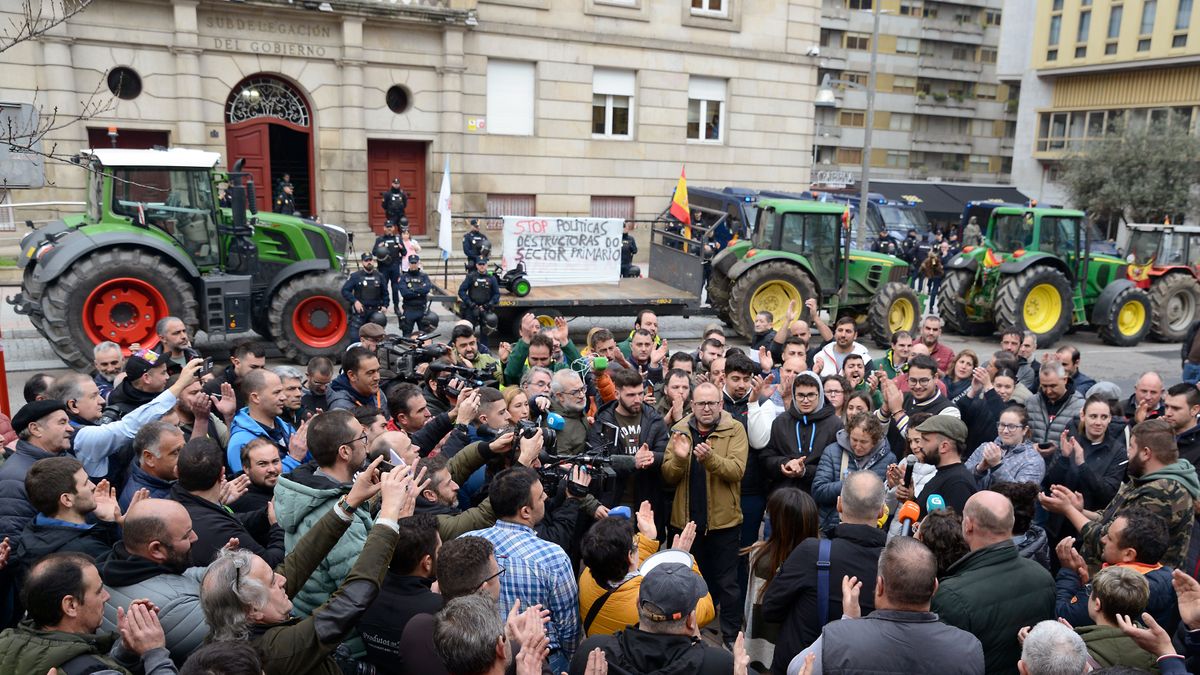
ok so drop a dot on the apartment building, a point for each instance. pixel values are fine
(940, 112)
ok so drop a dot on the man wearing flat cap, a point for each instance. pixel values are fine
(943, 440)
(43, 430)
(667, 637)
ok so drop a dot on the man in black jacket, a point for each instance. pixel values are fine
(201, 481)
(635, 434)
(664, 640)
(792, 597)
(45, 431)
(262, 464)
(145, 378)
(244, 356)
(1181, 405)
(405, 593)
(923, 397)
(800, 434)
(73, 515)
(942, 439)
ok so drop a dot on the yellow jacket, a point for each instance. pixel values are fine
(620, 610)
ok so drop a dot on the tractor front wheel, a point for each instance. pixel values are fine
(115, 295)
(1036, 299)
(768, 287)
(1174, 299)
(310, 318)
(895, 307)
(952, 304)
(1128, 319)
(719, 288)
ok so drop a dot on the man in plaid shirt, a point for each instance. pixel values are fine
(533, 571)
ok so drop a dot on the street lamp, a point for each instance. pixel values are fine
(827, 99)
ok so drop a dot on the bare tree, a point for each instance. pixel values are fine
(37, 17)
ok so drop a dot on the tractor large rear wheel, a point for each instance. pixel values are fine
(1036, 299)
(1128, 319)
(952, 303)
(769, 287)
(117, 295)
(719, 287)
(895, 307)
(1175, 300)
(310, 318)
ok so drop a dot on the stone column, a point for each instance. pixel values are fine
(349, 180)
(189, 108)
(58, 96)
(451, 125)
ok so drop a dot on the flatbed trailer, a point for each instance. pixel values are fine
(673, 289)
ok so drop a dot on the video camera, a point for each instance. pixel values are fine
(596, 462)
(463, 378)
(401, 355)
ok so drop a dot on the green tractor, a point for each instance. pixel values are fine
(799, 250)
(153, 242)
(1035, 271)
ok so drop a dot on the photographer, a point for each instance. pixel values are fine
(436, 387)
(570, 401)
(490, 420)
(637, 437)
(465, 351)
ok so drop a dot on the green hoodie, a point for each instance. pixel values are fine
(1109, 646)
(1169, 493)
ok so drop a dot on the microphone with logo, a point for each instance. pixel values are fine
(934, 502)
(907, 515)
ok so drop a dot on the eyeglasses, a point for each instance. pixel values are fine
(705, 404)
(575, 392)
(833, 391)
(500, 569)
(362, 438)
(920, 382)
(238, 563)
(1009, 427)
(805, 397)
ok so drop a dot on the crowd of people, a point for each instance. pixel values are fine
(806, 505)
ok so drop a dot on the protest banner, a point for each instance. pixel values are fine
(562, 251)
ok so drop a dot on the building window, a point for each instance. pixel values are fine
(855, 77)
(709, 7)
(1149, 9)
(908, 8)
(499, 206)
(1057, 6)
(852, 118)
(908, 45)
(987, 55)
(929, 12)
(900, 122)
(897, 159)
(1183, 19)
(858, 41)
(124, 83)
(1115, 14)
(991, 17)
(986, 91)
(980, 164)
(849, 155)
(858, 4)
(612, 102)
(612, 207)
(903, 84)
(1085, 25)
(962, 54)
(983, 128)
(706, 109)
(510, 97)
(398, 98)
(1055, 29)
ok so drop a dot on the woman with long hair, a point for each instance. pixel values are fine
(836, 388)
(517, 403)
(792, 514)
(958, 380)
(861, 446)
(1091, 461)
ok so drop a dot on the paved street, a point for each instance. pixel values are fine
(26, 352)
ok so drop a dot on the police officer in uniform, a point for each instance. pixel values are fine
(366, 291)
(415, 287)
(628, 250)
(473, 244)
(395, 202)
(479, 292)
(285, 203)
(387, 249)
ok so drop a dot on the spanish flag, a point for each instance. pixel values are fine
(679, 203)
(990, 259)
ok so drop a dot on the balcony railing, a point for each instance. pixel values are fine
(828, 131)
(928, 63)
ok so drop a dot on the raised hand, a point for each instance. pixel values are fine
(530, 448)
(811, 305)
(366, 484)
(684, 540)
(765, 360)
(227, 404)
(645, 521)
(659, 353)
(232, 490)
(1071, 559)
(764, 387)
(681, 445)
(1152, 638)
(741, 659)
(1187, 590)
(139, 628)
(644, 457)
(851, 589)
(107, 508)
(504, 351)
(597, 663)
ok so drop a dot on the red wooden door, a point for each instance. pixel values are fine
(396, 159)
(251, 141)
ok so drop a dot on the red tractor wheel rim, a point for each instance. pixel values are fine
(319, 321)
(124, 310)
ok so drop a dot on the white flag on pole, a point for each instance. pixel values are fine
(443, 207)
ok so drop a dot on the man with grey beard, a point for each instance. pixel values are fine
(570, 401)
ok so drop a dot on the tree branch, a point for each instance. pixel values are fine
(35, 18)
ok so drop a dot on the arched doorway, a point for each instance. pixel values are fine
(269, 124)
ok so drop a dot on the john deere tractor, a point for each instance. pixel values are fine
(153, 242)
(799, 251)
(1164, 260)
(1034, 272)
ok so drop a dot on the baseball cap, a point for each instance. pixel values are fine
(950, 427)
(370, 330)
(414, 259)
(365, 257)
(670, 591)
(32, 412)
(388, 223)
(140, 362)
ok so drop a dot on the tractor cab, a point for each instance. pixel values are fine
(1015, 232)
(1163, 246)
(814, 233)
(173, 195)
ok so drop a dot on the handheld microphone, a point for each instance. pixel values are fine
(907, 515)
(555, 421)
(934, 502)
(908, 475)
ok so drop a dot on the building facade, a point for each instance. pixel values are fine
(539, 107)
(940, 111)
(1086, 68)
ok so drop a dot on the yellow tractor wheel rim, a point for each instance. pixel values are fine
(1131, 318)
(774, 297)
(1043, 308)
(901, 315)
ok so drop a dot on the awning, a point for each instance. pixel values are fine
(929, 196)
(945, 200)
